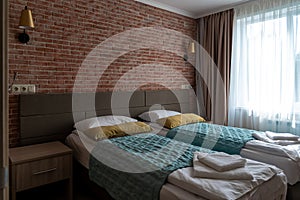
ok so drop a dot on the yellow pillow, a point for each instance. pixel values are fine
(178, 120)
(104, 132)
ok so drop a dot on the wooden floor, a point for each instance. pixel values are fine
(56, 192)
(81, 192)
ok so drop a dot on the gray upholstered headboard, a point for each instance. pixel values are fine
(46, 117)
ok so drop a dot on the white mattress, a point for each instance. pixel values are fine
(275, 188)
(82, 146)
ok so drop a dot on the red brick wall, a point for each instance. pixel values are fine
(65, 33)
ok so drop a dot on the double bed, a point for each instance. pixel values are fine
(51, 117)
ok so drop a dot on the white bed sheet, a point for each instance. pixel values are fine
(289, 151)
(274, 188)
(82, 146)
(286, 158)
(158, 129)
(231, 189)
(289, 167)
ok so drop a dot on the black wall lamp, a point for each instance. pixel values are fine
(26, 22)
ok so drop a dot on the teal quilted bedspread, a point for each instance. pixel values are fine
(136, 167)
(212, 136)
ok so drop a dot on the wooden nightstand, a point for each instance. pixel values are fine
(40, 164)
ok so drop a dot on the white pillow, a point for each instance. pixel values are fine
(152, 116)
(108, 120)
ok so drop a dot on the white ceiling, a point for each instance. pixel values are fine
(193, 8)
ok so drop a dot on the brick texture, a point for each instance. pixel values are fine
(67, 31)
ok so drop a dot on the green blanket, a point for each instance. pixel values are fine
(136, 167)
(212, 136)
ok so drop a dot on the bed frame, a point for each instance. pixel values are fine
(48, 117)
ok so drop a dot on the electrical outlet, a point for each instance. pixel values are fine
(24, 89)
(21, 89)
(16, 89)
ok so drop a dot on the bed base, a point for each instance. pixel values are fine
(81, 180)
(293, 192)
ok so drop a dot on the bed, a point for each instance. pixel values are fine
(46, 117)
(236, 141)
(175, 188)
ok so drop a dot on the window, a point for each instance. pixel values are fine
(265, 77)
(297, 78)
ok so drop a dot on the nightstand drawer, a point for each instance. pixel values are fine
(43, 171)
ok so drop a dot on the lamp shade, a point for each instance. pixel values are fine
(26, 21)
(192, 47)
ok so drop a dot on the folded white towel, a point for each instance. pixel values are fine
(281, 136)
(221, 161)
(202, 171)
(263, 137)
(286, 142)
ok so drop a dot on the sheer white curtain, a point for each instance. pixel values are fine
(265, 71)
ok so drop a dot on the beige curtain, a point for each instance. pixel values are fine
(215, 36)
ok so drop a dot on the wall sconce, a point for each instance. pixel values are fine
(26, 22)
(191, 49)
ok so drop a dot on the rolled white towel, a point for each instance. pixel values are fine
(281, 136)
(200, 170)
(221, 161)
